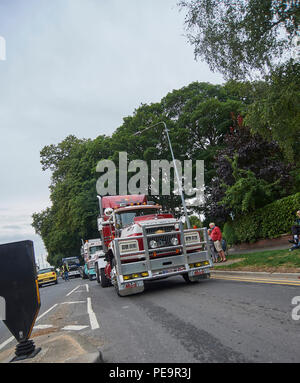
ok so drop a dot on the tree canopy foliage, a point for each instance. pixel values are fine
(239, 37)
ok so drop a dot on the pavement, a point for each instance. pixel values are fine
(58, 347)
(255, 275)
(292, 279)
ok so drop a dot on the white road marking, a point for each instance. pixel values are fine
(70, 303)
(93, 318)
(74, 327)
(42, 326)
(87, 288)
(73, 290)
(46, 312)
(2, 345)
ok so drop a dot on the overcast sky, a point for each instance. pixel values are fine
(78, 67)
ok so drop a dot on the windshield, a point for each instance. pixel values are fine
(44, 271)
(72, 261)
(95, 249)
(126, 218)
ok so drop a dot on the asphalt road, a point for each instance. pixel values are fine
(211, 321)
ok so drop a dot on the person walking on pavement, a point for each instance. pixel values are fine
(216, 236)
(65, 269)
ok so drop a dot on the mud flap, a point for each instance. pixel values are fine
(129, 288)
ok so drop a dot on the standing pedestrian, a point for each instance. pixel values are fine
(216, 236)
(296, 233)
(296, 229)
(213, 250)
(65, 269)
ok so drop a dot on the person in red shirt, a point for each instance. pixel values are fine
(216, 236)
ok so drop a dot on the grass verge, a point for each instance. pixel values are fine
(282, 261)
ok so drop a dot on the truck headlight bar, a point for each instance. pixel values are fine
(128, 246)
(191, 237)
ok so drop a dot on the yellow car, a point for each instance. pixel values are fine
(47, 275)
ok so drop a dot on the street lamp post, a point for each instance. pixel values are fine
(179, 181)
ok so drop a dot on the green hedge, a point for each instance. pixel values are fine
(268, 222)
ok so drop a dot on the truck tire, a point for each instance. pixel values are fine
(187, 278)
(104, 281)
(195, 279)
(118, 290)
(97, 274)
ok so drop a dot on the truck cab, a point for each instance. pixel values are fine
(92, 251)
(142, 243)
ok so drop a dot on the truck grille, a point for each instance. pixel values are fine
(162, 240)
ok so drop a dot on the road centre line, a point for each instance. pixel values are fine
(275, 282)
(92, 315)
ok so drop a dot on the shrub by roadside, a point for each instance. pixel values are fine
(270, 221)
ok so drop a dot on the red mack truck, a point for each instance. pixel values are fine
(142, 243)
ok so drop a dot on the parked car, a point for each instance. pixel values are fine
(47, 275)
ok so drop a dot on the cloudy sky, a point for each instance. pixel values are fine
(78, 67)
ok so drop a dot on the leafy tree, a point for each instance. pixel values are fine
(248, 192)
(260, 163)
(74, 210)
(275, 112)
(198, 117)
(240, 37)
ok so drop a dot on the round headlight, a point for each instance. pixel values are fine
(174, 241)
(153, 244)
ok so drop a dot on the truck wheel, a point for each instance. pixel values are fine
(188, 279)
(105, 282)
(97, 275)
(195, 279)
(118, 290)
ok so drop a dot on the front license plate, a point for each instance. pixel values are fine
(198, 272)
(163, 272)
(130, 285)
